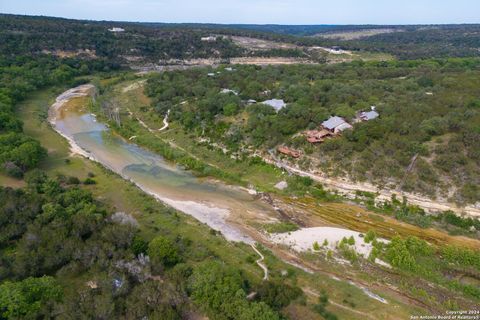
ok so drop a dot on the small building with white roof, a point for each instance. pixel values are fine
(209, 39)
(115, 29)
(276, 104)
(227, 91)
(368, 115)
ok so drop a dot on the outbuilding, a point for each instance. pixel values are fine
(116, 29)
(276, 104)
(227, 91)
(368, 115)
(209, 39)
(288, 152)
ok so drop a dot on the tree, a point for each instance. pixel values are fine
(139, 245)
(163, 251)
(230, 109)
(399, 256)
(155, 300)
(345, 111)
(351, 241)
(28, 299)
(88, 303)
(20, 150)
(320, 307)
(370, 236)
(277, 294)
(219, 290)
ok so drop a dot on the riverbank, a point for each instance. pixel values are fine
(81, 91)
(121, 195)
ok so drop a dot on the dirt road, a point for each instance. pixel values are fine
(349, 188)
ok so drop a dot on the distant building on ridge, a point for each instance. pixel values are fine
(115, 29)
(209, 39)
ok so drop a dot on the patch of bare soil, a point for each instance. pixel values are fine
(260, 44)
(356, 34)
(269, 60)
(70, 54)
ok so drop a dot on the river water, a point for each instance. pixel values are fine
(209, 202)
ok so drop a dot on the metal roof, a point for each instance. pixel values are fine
(333, 122)
(277, 104)
(342, 127)
(370, 115)
(229, 91)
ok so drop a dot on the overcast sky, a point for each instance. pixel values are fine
(256, 11)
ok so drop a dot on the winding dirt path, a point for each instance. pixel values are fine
(171, 143)
(165, 122)
(260, 263)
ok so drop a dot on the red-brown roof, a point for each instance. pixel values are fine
(314, 139)
(315, 136)
(289, 152)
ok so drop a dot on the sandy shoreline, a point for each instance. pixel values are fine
(303, 239)
(80, 91)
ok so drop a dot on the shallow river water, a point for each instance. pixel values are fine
(209, 202)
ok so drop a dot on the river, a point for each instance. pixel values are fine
(212, 203)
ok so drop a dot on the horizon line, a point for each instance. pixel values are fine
(240, 24)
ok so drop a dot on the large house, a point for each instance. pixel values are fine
(336, 124)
